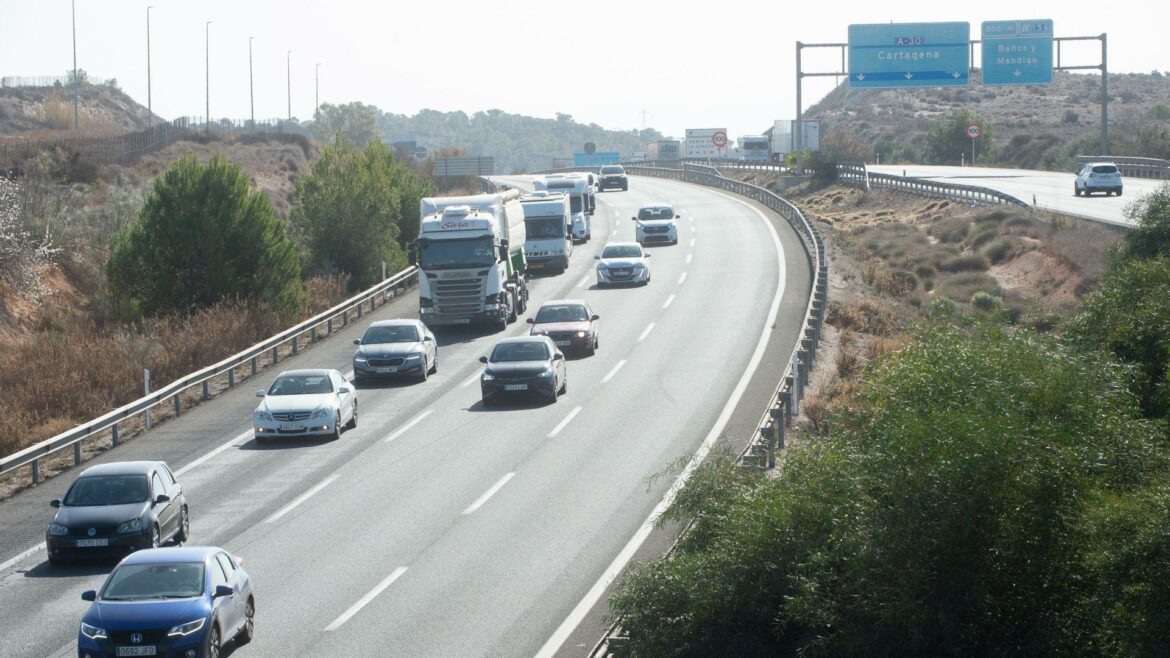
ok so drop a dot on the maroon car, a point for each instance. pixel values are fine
(570, 323)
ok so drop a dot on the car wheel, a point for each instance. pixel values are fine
(1076, 190)
(155, 537)
(592, 349)
(435, 363)
(261, 439)
(352, 419)
(423, 371)
(336, 426)
(184, 532)
(556, 393)
(1118, 192)
(249, 630)
(57, 561)
(213, 642)
(564, 385)
(487, 402)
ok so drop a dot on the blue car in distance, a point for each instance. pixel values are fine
(176, 602)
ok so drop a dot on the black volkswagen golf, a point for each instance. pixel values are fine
(118, 508)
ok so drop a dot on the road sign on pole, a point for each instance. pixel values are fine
(890, 55)
(1017, 52)
(974, 131)
(719, 139)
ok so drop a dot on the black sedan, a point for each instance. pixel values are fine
(524, 366)
(118, 508)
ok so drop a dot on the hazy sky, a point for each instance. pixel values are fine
(715, 64)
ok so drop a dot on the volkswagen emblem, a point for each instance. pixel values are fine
(136, 638)
(91, 532)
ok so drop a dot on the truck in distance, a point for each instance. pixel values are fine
(548, 237)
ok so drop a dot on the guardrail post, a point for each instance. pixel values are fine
(146, 387)
(294, 344)
(36, 471)
(359, 310)
(274, 355)
(178, 404)
(329, 326)
(114, 435)
(313, 335)
(345, 318)
(253, 366)
(206, 392)
(77, 453)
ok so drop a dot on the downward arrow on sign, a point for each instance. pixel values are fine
(1018, 73)
(957, 75)
(861, 77)
(909, 75)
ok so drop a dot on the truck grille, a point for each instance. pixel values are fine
(458, 296)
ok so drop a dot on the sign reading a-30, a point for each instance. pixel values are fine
(889, 55)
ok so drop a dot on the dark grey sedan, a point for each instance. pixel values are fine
(394, 348)
(524, 366)
(118, 508)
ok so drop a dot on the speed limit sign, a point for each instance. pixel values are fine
(719, 139)
(974, 131)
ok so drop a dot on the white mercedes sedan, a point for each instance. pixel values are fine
(305, 403)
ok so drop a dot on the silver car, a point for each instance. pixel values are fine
(305, 403)
(623, 263)
(394, 348)
(1098, 177)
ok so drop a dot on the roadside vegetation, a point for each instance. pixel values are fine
(983, 468)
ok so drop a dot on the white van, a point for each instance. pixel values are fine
(577, 189)
(548, 242)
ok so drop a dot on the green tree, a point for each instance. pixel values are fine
(1150, 235)
(948, 140)
(355, 122)
(200, 237)
(356, 208)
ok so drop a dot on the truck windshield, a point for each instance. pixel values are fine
(545, 227)
(452, 254)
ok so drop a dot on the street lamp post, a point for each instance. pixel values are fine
(251, 89)
(317, 91)
(76, 80)
(288, 77)
(149, 106)
(207, 65)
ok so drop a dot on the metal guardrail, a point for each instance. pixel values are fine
(785, 402)
(390, 287)
(1135, 167)
(859, 175)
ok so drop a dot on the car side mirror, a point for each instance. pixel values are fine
(344, 390)
(558, 356)
(646, 254)
(162, 498)
(89, 595)
(531, 320)
(260, 393)
(594, 317)
(483, 359)
(223, 590)
(428, 339)
(597, 258)
(678, 216)
(56, 502)
(357, 341)
(633, 219)
(239, 560)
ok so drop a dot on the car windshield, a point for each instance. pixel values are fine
(664, 212)
(301, 385)
(561, 313)
(137, 582)
(612, 170)
(523, 351)
(622, 251)
(452, 254)
(108, 490)
(1105, 169)
(544, 227)
(391, 334)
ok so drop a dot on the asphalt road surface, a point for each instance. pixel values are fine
(439, 527)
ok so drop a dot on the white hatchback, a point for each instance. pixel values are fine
(1098, 177)
(623, 263)
(655, 224)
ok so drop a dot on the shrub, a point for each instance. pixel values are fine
(1001, 250)
(985, 302)
(966, 263)
(966, 284)
(951, 231)
(943, 308)
(1150, 236)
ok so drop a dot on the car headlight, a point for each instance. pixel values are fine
(93, 632)
(133, 525)
(549, 373)
(639, 267)
(188, 628)
(57, 529)
(262, 415)
(413, 357)
(580, 334)
(359, 359)
(322, 412)
(601, 267)
(487, 376)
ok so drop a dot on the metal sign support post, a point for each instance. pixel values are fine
(797, 125)
(1104, 68)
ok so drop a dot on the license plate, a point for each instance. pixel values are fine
(137, 651)
(561, 343)
(383, 371)
(291, 427)
(86, 543)
(516, 387)
(462, 321)
(536, 266)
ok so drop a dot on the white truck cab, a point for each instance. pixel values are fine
(548, 224)
(577, 189)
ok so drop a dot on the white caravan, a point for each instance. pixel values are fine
(578, 190)
(548, 237)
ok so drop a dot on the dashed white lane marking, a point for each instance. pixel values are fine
(300, 499)
(614, 371)
(405, 428)
(242, 435)
(362, 602)
(693, 229)
(470, 380)
(668, 302)
(692, 242)
(681, 278)
(646, 332)
(584, 280)
(561, 425)
(689, 257)
(488, 494)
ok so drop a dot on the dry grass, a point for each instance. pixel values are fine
(867, 316)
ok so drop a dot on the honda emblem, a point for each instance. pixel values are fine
(136, 638)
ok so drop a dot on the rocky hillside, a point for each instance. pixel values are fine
(1034, 126)
(40, 111)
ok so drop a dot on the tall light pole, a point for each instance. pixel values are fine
(149, 106)
(207, 65)
(76, 80)
(251, 89)
(316, 91)
(288, 75)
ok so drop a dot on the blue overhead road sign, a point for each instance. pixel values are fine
(909, 55)
(1017, 52)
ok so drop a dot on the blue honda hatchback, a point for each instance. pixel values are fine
(182, 602)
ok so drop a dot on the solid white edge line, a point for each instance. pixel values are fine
(584, 281)
(561, 425)
(362, 602)
(668, 302)
(405, 428)
(646, 332)
(242, 435)
(681, 278)
(614, 371)
(471, 380)
(22, 556)
(300, 499)
(489, 493)
(559, 636)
